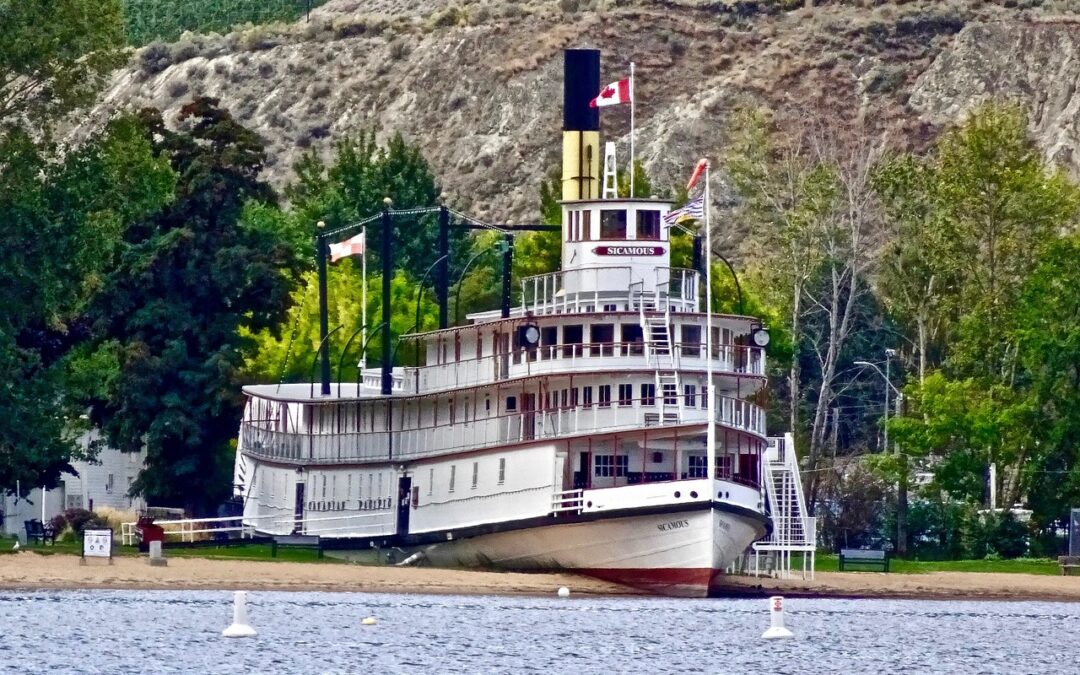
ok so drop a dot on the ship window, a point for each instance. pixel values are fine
(611, 466)
(691, 340)
(605, 395)
(586, 397)
(586, 224)
(602, 336)
(671, 394)
(573, 397)
(699, 467)
(502, 470)
(648, 394)
(626, 394)
(648, 224)
(705, 395)
(572, 337)
(487, 405)
(475, 474)
(549, 337)
(511, 403)
(613, 224)
(563, 399)
(575, 226)
(631, 334)
(324, 486)
(453, 476)
(690, 392)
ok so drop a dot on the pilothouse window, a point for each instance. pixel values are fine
(648, 224)
(613, 224)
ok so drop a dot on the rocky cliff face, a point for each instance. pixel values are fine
(1034, 63)
(479, 86)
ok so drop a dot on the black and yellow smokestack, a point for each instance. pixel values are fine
(581, 125)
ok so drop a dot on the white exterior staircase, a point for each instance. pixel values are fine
(662, 355)
(793, 531)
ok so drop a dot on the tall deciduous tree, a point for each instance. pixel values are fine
(169, 315)
(61, 222)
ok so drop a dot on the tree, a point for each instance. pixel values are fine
(987, 209)
(807, 200)
(288, 354)
(169, 315)
(61, 223)
(55, 56)
(354, 186)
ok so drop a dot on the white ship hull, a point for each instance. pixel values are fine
(680, 553)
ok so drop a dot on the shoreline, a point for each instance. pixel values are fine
(26, 571)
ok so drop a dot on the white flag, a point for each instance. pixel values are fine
(344, 249)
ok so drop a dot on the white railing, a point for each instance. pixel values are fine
(518, 427)
(590, 289)
(568, 500)
(566, 358)
(187, 528)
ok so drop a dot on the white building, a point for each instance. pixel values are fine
(104, 482)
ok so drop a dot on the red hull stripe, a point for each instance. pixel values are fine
(663, 580)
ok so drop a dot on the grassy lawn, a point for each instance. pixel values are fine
(247, 552)
(831, 563)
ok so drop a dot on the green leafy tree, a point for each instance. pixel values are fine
(354, 186)
(170, 313)
(55, 56)
(289, 354)
(61, 223)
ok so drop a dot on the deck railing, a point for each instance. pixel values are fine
(259, 438)
(565, 358)
(591, 289)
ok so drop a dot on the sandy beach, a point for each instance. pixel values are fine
(27, 570)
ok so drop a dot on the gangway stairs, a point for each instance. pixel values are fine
(662, 355)
(793, 531)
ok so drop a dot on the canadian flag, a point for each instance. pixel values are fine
(344, 249)
(614, 94)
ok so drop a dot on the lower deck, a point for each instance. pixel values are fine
(454, 494)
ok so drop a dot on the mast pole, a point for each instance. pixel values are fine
(632, 97)
(710, 438)
(363, 301)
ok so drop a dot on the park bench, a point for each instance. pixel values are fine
(296, 541)
(864, 557)
(36, 531)
(1068, 563)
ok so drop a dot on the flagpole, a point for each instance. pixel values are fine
(632, 97)
(710, 437)
(363, 301)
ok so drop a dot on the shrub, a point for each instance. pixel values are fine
(178, 88)
(77, 519)
(155, 57)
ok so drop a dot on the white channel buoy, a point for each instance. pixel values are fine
(564, 592)
(240, 627)
(776, 616)
(368, 621)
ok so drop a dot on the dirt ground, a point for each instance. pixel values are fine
(27, 570)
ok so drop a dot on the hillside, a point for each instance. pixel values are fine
(479, 87)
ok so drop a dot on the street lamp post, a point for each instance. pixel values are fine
(902, 483)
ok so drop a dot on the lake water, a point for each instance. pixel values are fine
(180, 632)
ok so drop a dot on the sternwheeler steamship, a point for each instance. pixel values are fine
(570, 432)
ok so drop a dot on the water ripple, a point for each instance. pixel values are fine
(180, 632)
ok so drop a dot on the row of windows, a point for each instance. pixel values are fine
(613, 224)
(565, 398)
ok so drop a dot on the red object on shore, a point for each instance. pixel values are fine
(147, 532)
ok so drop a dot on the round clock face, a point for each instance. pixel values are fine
(532, 335)
(760, 337)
